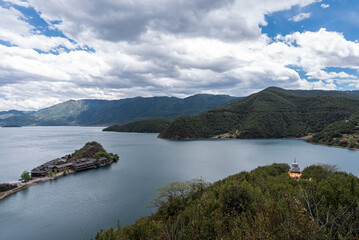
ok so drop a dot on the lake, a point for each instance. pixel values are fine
(79, 205)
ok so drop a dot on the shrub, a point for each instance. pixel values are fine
(25, 176)
(99, 155)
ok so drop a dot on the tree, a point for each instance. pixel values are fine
(115, 157)
(351, 142)
(180, 190)
(25, 176)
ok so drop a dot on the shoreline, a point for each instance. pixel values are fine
(322, 144)
(26, 185)
(227, 136)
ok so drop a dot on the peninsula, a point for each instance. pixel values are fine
(92, 155)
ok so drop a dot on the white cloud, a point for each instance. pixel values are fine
(18, 2)
(300, 17)
(128, 20)
(178, 48)
(324, 5)
(16, 31)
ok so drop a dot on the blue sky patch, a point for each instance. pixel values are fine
(341, 16)
(41, 27)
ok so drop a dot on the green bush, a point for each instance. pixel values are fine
(25, 176)
(351, 142)
(99, 155)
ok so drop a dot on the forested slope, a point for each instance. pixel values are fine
(152, 125)
(262, 204)
(271, 113)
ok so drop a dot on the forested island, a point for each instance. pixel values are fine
(152, 125)
(90, 156)
(262, 204)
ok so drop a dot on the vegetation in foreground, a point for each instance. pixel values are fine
(344, 133)
(271, 113)
(262, 204)
(152, 125)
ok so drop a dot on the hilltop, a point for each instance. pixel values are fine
(262, 204)
(271, 113)
(104, 112)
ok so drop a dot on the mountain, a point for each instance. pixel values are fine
(271, 113)
(262, 204)
(152, 125)
(104, 112)
(11, 113)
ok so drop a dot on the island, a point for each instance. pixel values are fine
(92, 155)
(152, 125)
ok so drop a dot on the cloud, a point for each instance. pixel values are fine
(129, 20)
(15, 30)
(300, 17)
(18, 2)
(148, 48)
(324, 5)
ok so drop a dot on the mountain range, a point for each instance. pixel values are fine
(105, 112)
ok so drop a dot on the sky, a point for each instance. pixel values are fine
(56, 50)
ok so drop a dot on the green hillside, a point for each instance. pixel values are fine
(152, 125)
(271, 113)
(103, 112)
(344, 133)
(12, 113)
(262, 204)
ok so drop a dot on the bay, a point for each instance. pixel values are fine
(79, 205)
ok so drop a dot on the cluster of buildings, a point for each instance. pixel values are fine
(62, 164)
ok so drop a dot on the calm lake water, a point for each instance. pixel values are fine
(77, 206)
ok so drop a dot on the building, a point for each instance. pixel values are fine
(295, 172)
(37, 172)
(83, 165)
(103, 161)
(60, 167)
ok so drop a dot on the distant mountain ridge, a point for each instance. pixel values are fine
(109, 112)
(270, 113)
(11, 113)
